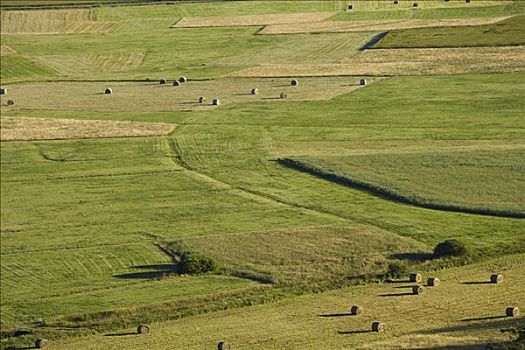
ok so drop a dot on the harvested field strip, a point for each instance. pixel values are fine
(441, 310)
(386, 193)
(52, 22)
(6, 51)
(392, 62)
(21, 128)
(363, 26)
(252, 20)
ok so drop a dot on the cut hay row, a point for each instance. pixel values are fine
(378, 25)
(6, 51)
(86, 96)
(52, 22)
(22, 128)
(405, 62)
(251, 20)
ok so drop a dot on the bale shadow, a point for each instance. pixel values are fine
(22, 348)
(355, 332)
(281, 85)
(405, 287)
(271, 98)
(120, 334)
(336, 315)
(243, 94)
(499, 323)
(483, 318)
(416, 257)
(398, 281)
(478, 282)
(395, 294)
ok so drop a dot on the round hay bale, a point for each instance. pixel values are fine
(414, 5)
(294, 82)
(378, 326)
(215, 102)
(201, 99)
(10, 102)
(467, 1)
(283, 95)
(396, 2)
(162, 81)
(512, 311)
(143, 329)
(350, 7)
(495, 278)
(183, 79)
(41, 343)
(356, 310)
(255, 91)
(417, 290)
(415, 277)
(223, 346)
(3, 91)
(433, 282)
(176, 83)
(108, 91)
(362, 81)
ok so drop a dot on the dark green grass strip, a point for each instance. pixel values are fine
(385, 193)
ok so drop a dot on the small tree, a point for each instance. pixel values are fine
(451, 247)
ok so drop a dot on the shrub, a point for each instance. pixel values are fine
(397, 269)
(191, 263)
(451, 247)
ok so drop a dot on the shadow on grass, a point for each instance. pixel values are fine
(336, 315)
(159, 270)
(271, 98)
(494, 323)
(355, 332)
(398, 281)
(23, 348)
(416, 257)
(405, 287)
(483, 318)
(120, 334)
(377, 38)
(478, 282)
(395, 294)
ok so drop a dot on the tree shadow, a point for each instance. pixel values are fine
(355, 332)
(496, 323)
(120, 334)
(336, 315)
(395, 294)
(159, 270)
(416, 257)
(483, 318)
(478, 282)
(375, 39)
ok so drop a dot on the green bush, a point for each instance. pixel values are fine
(451, 247)
(191, 263)
(396, 269)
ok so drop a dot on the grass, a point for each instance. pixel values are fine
(484, 181)
(299, 322)
(82, 220)
(506, 33)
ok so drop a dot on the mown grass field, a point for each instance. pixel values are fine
(95, 194)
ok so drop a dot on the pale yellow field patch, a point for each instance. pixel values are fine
(388, 5)
(23, 128)
(391, 62)
(150, 96)
(6, 51)
(376, 25)
(76, 21)
(251, 20)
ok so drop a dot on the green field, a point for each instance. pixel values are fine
(92, 226)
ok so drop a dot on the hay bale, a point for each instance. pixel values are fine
(162, 81)
(417, 290)
(495, 278)
(215, 102)
(223, 345)
(512, 311)
(378, 326)
(294, 82)
(362, 81)
(356, 310)
(176, 83)
(10, 102)
(396, 2)
(3, 91)
(201, 99)
(108, 91)
(433, 282)
(414, 5)
(143, 329)
(467, 1)
(183, 79)
(350, 7)
(255, 91)
(283, 95)
(41, 343)
(415, 277)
